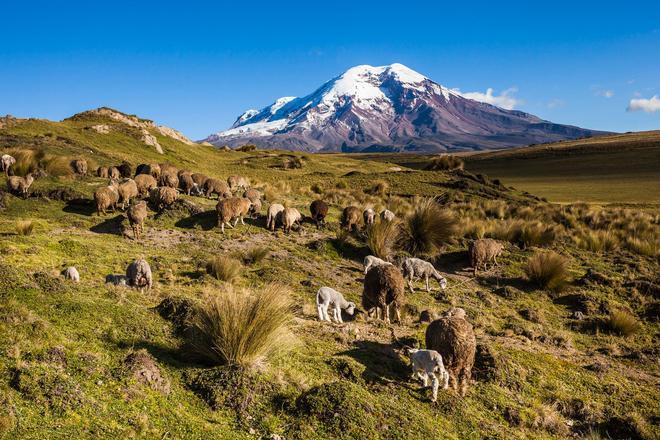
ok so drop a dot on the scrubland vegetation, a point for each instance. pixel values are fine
(228, 344)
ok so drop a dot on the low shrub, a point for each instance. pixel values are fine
(649, 247)
(382, 237)
(427, 229)
(24, 227)
(536, 234)
(255, 255)
(380, 188)
(223, 268)
(622, 323)
(445, 162)
(548, 270)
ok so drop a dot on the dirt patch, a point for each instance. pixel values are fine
(48, 283)
(485, 367)
(48, 386)
(142, 367)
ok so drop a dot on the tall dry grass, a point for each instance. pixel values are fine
(24, 227)
(382, 238)
(427, 228)
(622, 323)
(548, 270)
(597, 241)
(445, 162)
(224, 268)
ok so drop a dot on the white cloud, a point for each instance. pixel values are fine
(605, 93)
(505, 99)
(650, 105)
(556, 103)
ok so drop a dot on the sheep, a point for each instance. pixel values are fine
(428, 363)
(414, 268)
(371, 261)
(151, 169)
(289, 217)
(319, 211)
(387, 215)
(7, 161)
(136, 214)
(127, 190)
(106, 197)
(18, 185)
(113, 173)
(453, 337)
(484, 251)
(369, 216)
(187, 184)
(326, 297)
(145, 183)
(116, 280)
(383, 287)
(200, 179)
(163, 197)
(141, 169)
(103, 172)
(351, 218)
(255, 209)
(232, 208)
(125, 170)
(79, 166)
(169, 178)
(71, 273)
(167, 168)
(252, 194)
(138, 274)
(273, 215)
(216, 186)
(237, 182)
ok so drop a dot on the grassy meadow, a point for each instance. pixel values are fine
(570, 352)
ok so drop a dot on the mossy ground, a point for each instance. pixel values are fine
(62, 345)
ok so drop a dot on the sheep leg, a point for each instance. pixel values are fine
(398, 314)
(222, 227)
(338, 314)
(387, 313)
(410, 284)
(425, 380)
(434, 384)
(319, 308)
(445, 380)
(242, 222)
(428, 290)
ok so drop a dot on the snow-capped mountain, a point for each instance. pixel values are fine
(388, 108)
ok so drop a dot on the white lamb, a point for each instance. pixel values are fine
(273, 211)
(71, 273)
(428, 363)
(328, 297)
(6, 162)
(415, 268)
(387, 215)
(372, 261)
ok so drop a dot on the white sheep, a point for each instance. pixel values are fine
(415, 268)
(7, 162)
(138, 274)
(428, 363)
(371, 261)
(71, 273)
(326, 297)
(387, 215)
(273, 212)
(369, 216)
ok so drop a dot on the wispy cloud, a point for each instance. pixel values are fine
(505, 99)
(556, 103)
(650, 105)
(605, 93)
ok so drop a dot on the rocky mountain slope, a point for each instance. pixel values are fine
(389, 108)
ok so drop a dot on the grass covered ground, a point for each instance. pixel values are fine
(71, 359)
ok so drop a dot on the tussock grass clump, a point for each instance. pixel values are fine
(428, 228)
(242, 328)
(24, 227)
(622, 323)
(27, 160)
(537, 234)
(380, 188)
(58, 166)
(548, 270)
(255, 255)
(382, 237)
(597, 241)
(445, 162)
(649, 247)
(473, 229)
(223, 268)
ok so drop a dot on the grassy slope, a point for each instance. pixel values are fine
(98, 325)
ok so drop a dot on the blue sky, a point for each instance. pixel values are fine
(196, 66)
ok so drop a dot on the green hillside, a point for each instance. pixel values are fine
(67, 350)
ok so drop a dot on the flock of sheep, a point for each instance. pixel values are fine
(450, 339)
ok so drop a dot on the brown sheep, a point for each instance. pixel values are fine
(136, 214)
(232, 208)
(186, 183)
(237, 182)
(113, 173)
(252, 194)
(169, 178)
(18, 185)
(289, 217)
(79, 167)
(167, 168)
(453, 337)
(484, 251)
(103, 172)
(106, 197)
(319, 210)
(127, 190)
(383, 287)
(145, 183)
(151, 169)
(216, 186)
(163, 197)
(351, 218)
(200, 179)
(125, 170)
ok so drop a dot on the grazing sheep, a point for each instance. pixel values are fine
(383, 287)
(415, 268)
(484, 251)
(369, 216)
(141, 169)
(232, 208)
(387, 215)
(71, 273)
(216, 186)
(255, 209)
(252, 194)
(169, 178)
(200, 179)
(138, 274)
(127, 190)
(453, 337)
(319, 211)
(136, 214)
(163, 197)
(371, 261)
(7, 161)
(237, 182)
(79, 166)
(125, 170)
(289, 217)
(273, 215)
(326, 297)
(18, 185)
(107, 197)
(428, 363)
(103, 172)
(113, 173)
(187, 184)
(145, 183)
(351, 218)
(167, 168)
(151, 169)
